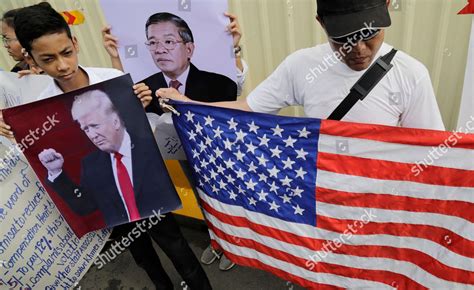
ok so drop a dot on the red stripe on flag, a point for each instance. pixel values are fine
(400, 135)
(381, 276)
(422, 260)
(443, 237)
(390, 170)
(460, 209)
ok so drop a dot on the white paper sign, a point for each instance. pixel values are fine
(166, 136)
(38, 250)
(15, 91)
(466, 114)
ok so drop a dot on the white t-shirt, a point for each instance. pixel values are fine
(315, 79)
(95, 74)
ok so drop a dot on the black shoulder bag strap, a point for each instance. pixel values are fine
(364, 85)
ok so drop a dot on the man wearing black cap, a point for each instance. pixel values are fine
(319, 78)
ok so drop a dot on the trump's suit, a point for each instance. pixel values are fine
(153, 188)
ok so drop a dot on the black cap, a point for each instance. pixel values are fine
(343, 17)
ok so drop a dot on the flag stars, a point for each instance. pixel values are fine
(303, 133)
(252, 167)
(277, 131)
(301, 154)
(276, 152)
(262, 195)
(192, 135)
(274, 206)
(274, 187)
(195, 153)
(202, 147)
(204, 163)
(239, 155)
(288, 163)
(214, 188)
(251, 148)
(240, 136)
(286, 199)
(232, 195)
(229, 163)
(262, 177)
(253, 127)
(298, 210)
(213, 174)
(297, 191)
(196, 168)
(212, 159)
(208, 140)
(222, 184)
(262, 160)
(220, 169)
(189, 116)
(199, 128)
(232, 124)
(252, 201)
(286, 181)
(228, 144)
(218, 152)
(230, 179)
(209, 121)
(289, 142)
(250, 184)
(240, 174)
(263, 140)
(300, 173)
(274, 171)
(217, 132)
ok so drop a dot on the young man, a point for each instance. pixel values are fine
(320, 77)
(47, 39)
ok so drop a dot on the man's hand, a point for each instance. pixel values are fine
(143, 92)
(111, 46)
(166, 94)
(52, 161)
(110, 42)
(234, 28)
(34, 70)
(5, 130)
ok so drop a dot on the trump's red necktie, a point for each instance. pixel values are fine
(175, 84)
(126, 187)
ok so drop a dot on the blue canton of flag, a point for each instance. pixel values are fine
(263, 163)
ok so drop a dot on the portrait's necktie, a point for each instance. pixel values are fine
(175, 84)
(126, 187)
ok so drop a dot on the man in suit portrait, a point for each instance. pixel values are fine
(122, 177)
(171, 45)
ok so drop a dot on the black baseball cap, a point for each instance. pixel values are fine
(343, 17)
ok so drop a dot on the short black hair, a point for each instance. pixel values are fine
(34, 21)
(183, 28)
(8, 17)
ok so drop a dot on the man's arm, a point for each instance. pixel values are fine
(172, 94)
(75, 196)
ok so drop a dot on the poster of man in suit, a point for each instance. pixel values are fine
(99, 162)
(183, 41)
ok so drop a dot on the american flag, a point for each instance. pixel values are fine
(329, 204)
